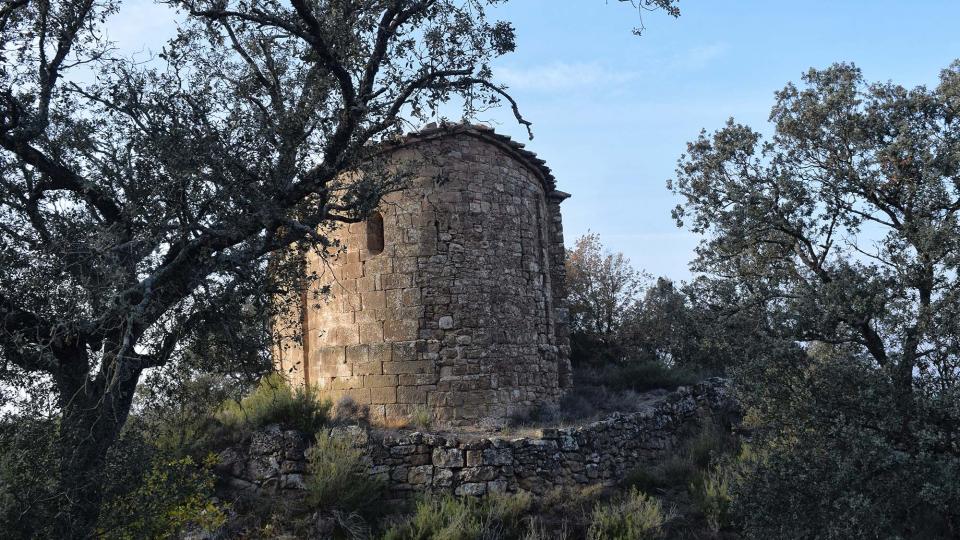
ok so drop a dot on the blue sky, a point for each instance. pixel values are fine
(612, 112)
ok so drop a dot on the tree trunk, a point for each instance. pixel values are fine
(83, 446)
(90, 424)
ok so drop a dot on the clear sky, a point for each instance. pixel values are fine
(612, 112)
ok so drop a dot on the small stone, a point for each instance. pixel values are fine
(442, 478)
(262, 443)
(446, 322)
(471, 489)
(288, 467)
(447, 457)
(420, 475)
(497, 486)
(293, 481)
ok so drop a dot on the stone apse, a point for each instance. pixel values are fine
(450, 298)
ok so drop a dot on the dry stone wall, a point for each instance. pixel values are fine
(452, 302)
(414, 462)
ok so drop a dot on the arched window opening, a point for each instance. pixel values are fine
(375, 234)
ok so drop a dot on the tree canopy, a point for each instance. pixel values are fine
(140, 207)
(842, 232)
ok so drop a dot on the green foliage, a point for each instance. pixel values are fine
(638, 376)
(27, 456)
(634, 516)
(339, 479)
(698, 328)
(840, 234)
(711, 492)
(275, 402)
(172, 495)
(453, 518)
(421, 417)
(710, 441)
(602, 287)
(833, 450)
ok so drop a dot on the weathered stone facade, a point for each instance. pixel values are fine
(413, 462)
(450, 299)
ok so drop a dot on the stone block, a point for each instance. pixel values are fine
(420, 475)
(374, 300)
(379, 381)
(447, 457)
(383, 395)
(422, 379)
(380, 352)
(342, 335)
(404, 351)
(351, 270)
(265, 443)
(366, 284)
(396, 281)
(413, 394)
(442, 477)
(368, 368)
(410, 297)
(357, 354)
(497, 487)
(478, 474)
(400, 330)
(471, 489)
(418, 367)
(371, 332)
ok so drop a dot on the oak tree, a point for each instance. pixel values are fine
(142, 200)
(843, 231)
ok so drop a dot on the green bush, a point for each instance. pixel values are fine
(452, 518)
(275, 402)
(636, 516)
(711, 492)
(836, 443)
(172, 495)
(640, 376)
(28, 459)
(694, 456)
(339, 479)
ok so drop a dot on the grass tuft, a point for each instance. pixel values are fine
(275, 402)
(636, 516)
(339, 479)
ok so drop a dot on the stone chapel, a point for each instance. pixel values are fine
(450, 298)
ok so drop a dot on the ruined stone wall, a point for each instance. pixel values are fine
(598, 453)
(461, 312)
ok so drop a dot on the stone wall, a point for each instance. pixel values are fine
(597, 453)
(462, 313)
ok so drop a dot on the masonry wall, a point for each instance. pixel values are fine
(598, 453)
(461, 313)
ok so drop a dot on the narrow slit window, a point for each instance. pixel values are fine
(375, 234)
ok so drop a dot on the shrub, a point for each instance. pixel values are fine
(636, 516)
(173, 495)
(452, 518)
(694, 456)
(339, 479)
(712, 495)
(348, 411)
(640, 376)
(27, 487)
(275, 402)
(421, 417)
